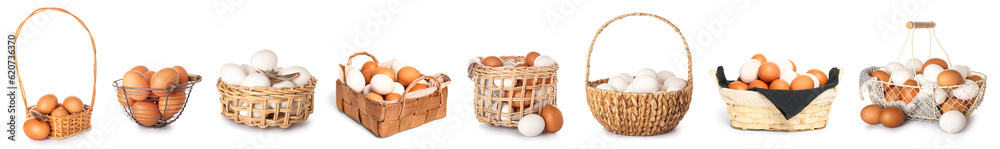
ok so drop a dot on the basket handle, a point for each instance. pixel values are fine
(686, 48)
(361, 53)
(911, 27)
(18, 72)
(432, 78)
(916, 25)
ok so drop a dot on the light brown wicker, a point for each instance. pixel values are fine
(385, 118)
(523, 97)
(170, 110)
(640, 114)
(925, 104)
(75, 123)
(750, 110)
(267, 106)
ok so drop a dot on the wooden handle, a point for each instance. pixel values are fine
(916, 25)
(93, 92)
(683, 40)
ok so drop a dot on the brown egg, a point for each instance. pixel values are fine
(871, 114)
(758, 84)
(949, 78)
(819, 75)
(121, 98)
(385, 71)
(419, 86)
(908, 93)
(892, 117)
(60, 112)
(759, 57)
(802, 82)
(893, 93)
(368, 75)
(882, 76)
(370, 65)
(553, 118)
(182, 76)
(407, 75)
(976, 78)
(135, 79)
(768, 72)
(519, 94)
(162, 80)
(530, 58)
(393, 97)
(146, 112)
(955, 104)
(149, 74)
(73, 104)
(938, 61)
(493, 61)
(168, 106)
(794, 68)
(47, 103)
(140, 68)
(738, 86)
(374, 96)
(35, 129)
(779, 84)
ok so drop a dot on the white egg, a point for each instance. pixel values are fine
(355, 80)
(256, 80)
(618, 83)
(503, 107)
(900, 75)
(544, 60)
(646, 71)
(398, 64)
(606, 86)
(940, 96)
(284, 84)
(629, 89)
(399, 89)
(248, 68)
(382, 84)
(784, 65)
(915, 65)
(665, 75)
(931, 73)
(366, 90)
(509, 64)
(952, 121)
(892, 66)
(675, 83)
(531, 125)
(966, 91)
(962, 69)
(788, 76)
(646, 84)
(628, 77)
(264, 60)
(748, 72)
(815, 80)
(303, 77)
(674, 88)
(232, 74)
(921, 81)
(247, 111)
(504, 82)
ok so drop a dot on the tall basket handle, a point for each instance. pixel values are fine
(24, 98)
(686, 48)
(349, 59)
(911, 27)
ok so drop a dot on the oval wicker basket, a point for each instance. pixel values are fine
(522, 97)
(927, 102)
(75, 123)
(267, 106)
(639, 114)
(170, 109)
(751, 110)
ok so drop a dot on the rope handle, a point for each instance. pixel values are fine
(410, 87)
(911, 27)
(18, 72)
(686, 48)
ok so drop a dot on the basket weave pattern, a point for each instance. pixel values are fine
(261, 106)
(491, 94)
(750, 110)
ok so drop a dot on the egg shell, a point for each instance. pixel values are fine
(967, 91)
(492, 61)
(737, 85)
(543, 60)
(915, 65)
(530, 58)
(392, 97)
(509, 64)
(819, 75)
(398, 64)
(47, 103)
(232, 74)
(665, 75)
(531, 125)
(871, 114)
(758, 84)
(249, 69)
(149, 74)
(283, 84)
(398, 89)
(814, 78)
(748, 72)
(256, 80)
(367, 89)
(784, 65)
(36, 130)
(264, 60)
(788, 76)
(802, 82)
(921, 80)
(407, 75)
(606, 86)
(382, 84)
(140, 68)
(931, 72)
(504, 82)
(949, 78)
(302, 79)
(553, 118)
(768, 72)
(73, 104)
(955, 104)
(759, 57)
(962, 69)
(628, 78)
(629, 89)
(952, 121)
(937, 61)
(892, 117)
(618, 83)
(673, 88)
(646, 84)
(165, 79)
(675, 82)
(59, 112)
(940, 96)
(355, 80)
(893, 66)
(171, 105)
(779, 84)
(369, 65)
(146, 113)
(646, 71)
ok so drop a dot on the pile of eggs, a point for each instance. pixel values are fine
(550, 120)
(147, 91)
(383, 82)
(49, 105)
(533, 59)
(961, 85)
(645, 81)
(776, 75)
(260, 73)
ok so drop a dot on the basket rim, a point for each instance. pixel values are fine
(980, 74)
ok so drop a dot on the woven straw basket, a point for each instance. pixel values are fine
(492, 98)
(267, 106)
(171, 108)
(750, 110)
(639, 114)
(385, 118)
(928, 102)
(75, 123)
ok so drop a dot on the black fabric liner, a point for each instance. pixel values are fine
(788, 101)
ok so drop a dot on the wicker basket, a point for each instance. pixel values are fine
(751, 110)
(385, 118)
(75, 123)
(267, 106)
(639, 114)
(523, 97)
(924, 105)
(174, 103)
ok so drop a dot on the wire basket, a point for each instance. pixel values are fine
(639, 114)
(530, 90)
(74, 123)
(167, 108)
(923, 102)
(267, 106)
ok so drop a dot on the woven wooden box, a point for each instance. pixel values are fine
(387, 118)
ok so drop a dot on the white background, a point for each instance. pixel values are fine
(441, 36)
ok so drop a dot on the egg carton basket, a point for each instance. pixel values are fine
(267, 106)
(385, 118)
(525, 90)
(65, 126)
(752, 110)
(638, 114)
(170, 109)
